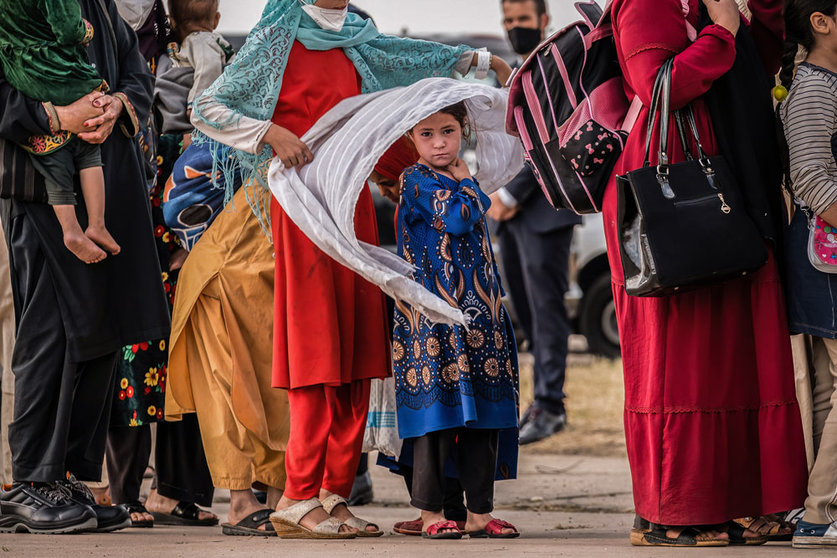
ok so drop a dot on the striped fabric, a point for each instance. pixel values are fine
(810, 119)
(347, 143)
(18, 178)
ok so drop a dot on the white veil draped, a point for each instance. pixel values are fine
(347, 143)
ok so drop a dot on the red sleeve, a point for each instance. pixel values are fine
(768, 30)
(649, 32)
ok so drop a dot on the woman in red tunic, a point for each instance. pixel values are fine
(330, 332)
(712, 425)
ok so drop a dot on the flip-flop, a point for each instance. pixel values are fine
(249, 526)
(184, 514)
(451, 531)
(494, 530)
(137, 507)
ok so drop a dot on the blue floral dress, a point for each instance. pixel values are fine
(450, 376)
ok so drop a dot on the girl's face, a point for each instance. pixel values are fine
(437, 139)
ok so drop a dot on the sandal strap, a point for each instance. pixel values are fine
(361, 524)
(446, 524)
(331, 502)
(330, 526)
(496, 526)
(295, 513)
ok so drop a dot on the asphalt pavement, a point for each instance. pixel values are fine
(563, 505)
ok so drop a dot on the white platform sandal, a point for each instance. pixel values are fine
(287, 526)
(361, 525)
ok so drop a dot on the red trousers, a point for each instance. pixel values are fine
(325, 440)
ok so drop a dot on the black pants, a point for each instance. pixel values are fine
(476, 462)
(62, 407)
(543, 261)
(453, 502)
(182, 473)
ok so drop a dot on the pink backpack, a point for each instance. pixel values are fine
(568, 106)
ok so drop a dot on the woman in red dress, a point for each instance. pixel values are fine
(330, 331)
(712, 425)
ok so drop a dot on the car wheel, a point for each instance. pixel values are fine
(597, 319)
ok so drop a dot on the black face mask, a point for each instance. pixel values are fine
(524, 39)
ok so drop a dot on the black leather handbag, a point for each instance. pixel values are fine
(682, 224)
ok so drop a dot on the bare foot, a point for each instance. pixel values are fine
(160, 504)
(102, 496)
(429, 519)
(703, 535)
(311, 519)
(342, 513)
(141, 517)
(242, 504)
(478, 522)
(102, 237)
(83, 248)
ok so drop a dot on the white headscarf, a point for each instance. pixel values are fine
(135, 12)
(348, 142)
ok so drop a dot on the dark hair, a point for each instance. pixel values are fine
(459, 112)
(798, 31)
(539, 4)
(185, 12)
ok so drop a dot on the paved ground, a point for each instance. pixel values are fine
(564, 505)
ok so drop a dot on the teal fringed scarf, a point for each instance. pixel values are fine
(250, 85)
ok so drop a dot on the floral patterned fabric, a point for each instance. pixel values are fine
(451, 376)
(141, 370)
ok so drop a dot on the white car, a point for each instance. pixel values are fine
(590, 298)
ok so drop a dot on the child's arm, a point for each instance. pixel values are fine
(809, 125)
(64, 17)
(454, 212)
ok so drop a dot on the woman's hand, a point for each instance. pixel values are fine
(290, 150)
(459, 170)
(724, 13)
(100, 127)
(502, 69)
(73, 116)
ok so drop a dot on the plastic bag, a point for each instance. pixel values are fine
(381, 424)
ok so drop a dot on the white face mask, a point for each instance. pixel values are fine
(329, 20)
(135, 12)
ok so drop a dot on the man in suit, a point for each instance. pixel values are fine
(535, 243)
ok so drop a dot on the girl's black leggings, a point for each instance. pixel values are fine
(475, 453)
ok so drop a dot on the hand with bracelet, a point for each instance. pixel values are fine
(495, 63)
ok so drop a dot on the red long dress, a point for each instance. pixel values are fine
(712, 425)
(330, 325)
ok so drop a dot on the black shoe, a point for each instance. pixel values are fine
(362, 490)
(108, 518)
(44, 508)
(542, 424)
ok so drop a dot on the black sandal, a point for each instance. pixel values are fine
(657, 536)
(249, 526)
(737, 538)
(137, 507)
(184, 514)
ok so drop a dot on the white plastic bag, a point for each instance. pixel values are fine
(381, 424)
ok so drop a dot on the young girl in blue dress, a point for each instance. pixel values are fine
(456, 386)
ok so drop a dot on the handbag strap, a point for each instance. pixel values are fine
(652, 114)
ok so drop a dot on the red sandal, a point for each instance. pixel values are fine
(442, 530)
(494, 530)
